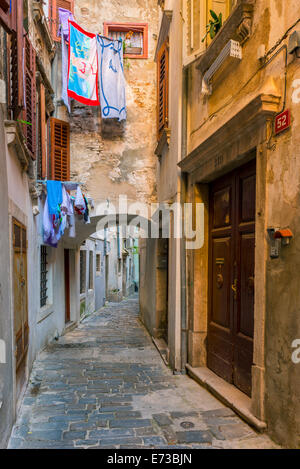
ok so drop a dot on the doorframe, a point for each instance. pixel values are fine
(67, 286)
(15, 214)
(198, 281)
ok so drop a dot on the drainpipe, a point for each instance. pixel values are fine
(183, 192)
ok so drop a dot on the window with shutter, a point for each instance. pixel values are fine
(5, 17)
(15, 60)
(162, 85)
(54, 5)
(29, 113)
(42, 163)
(60, 150)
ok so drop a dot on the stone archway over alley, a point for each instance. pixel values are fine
(103, 385)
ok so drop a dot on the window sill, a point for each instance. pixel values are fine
(237, 27)
(15, 138)
(44, 312)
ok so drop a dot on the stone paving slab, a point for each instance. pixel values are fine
(96, 388)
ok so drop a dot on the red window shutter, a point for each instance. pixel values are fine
(5, 17)
(60, 150)
(43, 139)
(162, 88)
(29, 113)
(54, 5)
(15, 60)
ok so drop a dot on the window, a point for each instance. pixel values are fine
(60, 150)
(91, 270)
(44, 277)
(197, 16)
(54, 5)
(15, 61)
(5, 17)
(42, 144)
(135, 36)
(22, 77)
(162, 91)
(29, 113)
(82, 271)
(98, 264)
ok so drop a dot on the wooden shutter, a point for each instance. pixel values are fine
(162, 91)
(29, 113)
(54, 5)
(43, 139)
(5, 17)
(60, 150)
(15, 60)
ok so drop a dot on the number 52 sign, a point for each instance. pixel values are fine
(282, 121)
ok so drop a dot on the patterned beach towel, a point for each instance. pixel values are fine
(83, 66)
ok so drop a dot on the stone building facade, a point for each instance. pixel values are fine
(238, 318)
(227, 309)
(42, 288)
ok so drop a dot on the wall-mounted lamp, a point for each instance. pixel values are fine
(278, 237)
(284, 235)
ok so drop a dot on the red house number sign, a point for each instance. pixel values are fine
(282, 121)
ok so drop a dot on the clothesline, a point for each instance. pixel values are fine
(44, 181)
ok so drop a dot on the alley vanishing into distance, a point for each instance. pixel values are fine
(104, 385)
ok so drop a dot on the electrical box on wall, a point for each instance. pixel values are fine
(277, 238)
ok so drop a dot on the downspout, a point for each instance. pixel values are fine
(183, 193)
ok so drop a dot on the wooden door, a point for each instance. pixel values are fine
(21, 327)
(67, 286)
(231, 276)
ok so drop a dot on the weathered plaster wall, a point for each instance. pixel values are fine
(277, 305)
(169, 181)
(107, 160)
(6, 361)
(100, 286)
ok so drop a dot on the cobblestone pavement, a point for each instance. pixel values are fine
(104, 385)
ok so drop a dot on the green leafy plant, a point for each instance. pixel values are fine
(214, 25)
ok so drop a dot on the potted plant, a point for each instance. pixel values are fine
(214, 25)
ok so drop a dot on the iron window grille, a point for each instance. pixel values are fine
(44, 277)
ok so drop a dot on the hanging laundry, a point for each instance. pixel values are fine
(49, 234)
(66, 205)
(54, 191)
(86, 215)
(64, 17)
(111, 78)
(83, 66)
(67, 210)
(79, 203)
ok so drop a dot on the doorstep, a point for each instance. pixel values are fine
(69, 327)
(228, 394)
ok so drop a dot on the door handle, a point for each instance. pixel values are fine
(234, 288)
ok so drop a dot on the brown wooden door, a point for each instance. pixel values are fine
(231, 286)
(21, 327)
(67, 286)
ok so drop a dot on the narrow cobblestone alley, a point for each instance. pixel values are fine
(103, 385)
